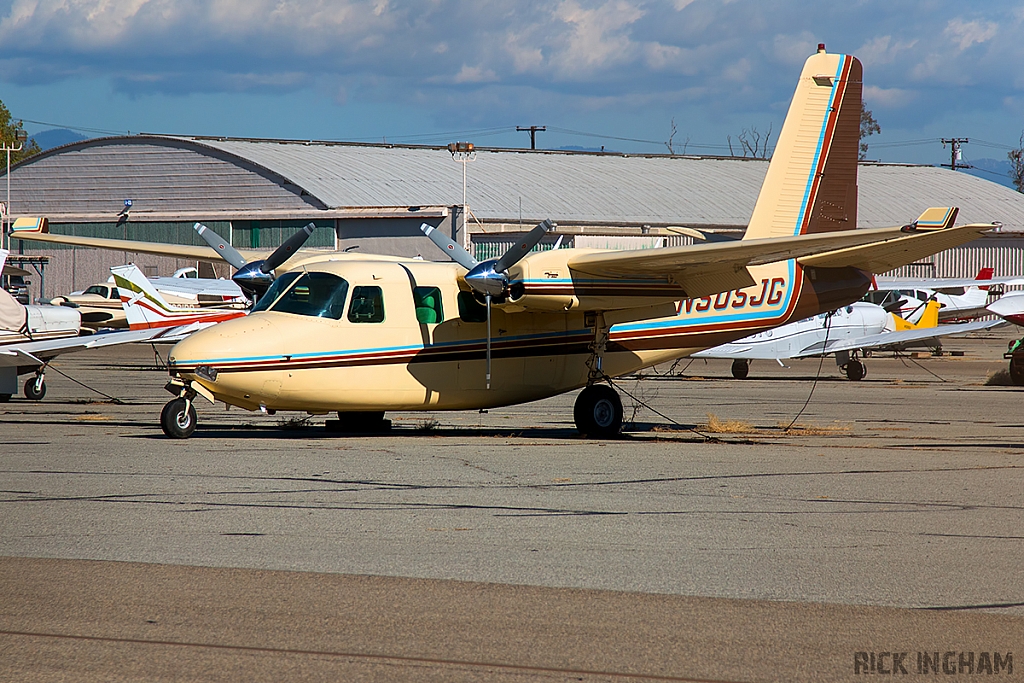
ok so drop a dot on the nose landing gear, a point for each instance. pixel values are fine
(178, 418)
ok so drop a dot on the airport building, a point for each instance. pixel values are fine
(374, 197)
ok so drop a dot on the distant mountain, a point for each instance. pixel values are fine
(56, 137)
(998, 171)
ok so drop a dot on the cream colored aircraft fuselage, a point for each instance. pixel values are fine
(328, 358)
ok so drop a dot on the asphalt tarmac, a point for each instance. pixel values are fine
(709, 543)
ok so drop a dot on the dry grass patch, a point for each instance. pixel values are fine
(717, 425)
(817, 430)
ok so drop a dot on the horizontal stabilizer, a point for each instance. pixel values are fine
(885, 256)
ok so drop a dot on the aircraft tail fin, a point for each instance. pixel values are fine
(985, 274)
(811, 184)
(929, 319)
(143, 305)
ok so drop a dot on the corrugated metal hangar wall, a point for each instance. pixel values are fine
(374, 197)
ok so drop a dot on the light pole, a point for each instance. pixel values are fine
(21, 137)
(463, 152)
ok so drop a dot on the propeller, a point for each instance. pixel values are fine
(255, 276)
(490, 277)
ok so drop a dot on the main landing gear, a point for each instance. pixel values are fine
(598, 409)
(855, 370)
(35, 387)
(740, 368)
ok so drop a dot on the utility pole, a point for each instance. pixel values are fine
(532, 130)
(955, 154)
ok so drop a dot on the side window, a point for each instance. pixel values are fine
(428, 305)
(367, 305)
(114, 294)
(471, 310)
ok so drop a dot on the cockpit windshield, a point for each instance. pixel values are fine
(319, 295)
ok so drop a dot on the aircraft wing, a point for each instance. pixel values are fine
(882, 257)
(38, 352)
(940, 283)
(705, 269)
(895, 340)
(185, 251)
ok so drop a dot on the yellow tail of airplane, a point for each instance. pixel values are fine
(930, 318)
(811, 184)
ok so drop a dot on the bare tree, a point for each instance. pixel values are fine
(671, 136)
(754, 142)
(1016, 157)
(868, 127)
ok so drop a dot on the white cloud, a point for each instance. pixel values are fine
(890, 98)
(597, 37)
(475, 74)
(970, 32)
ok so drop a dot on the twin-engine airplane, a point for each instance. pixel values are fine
(361, 335)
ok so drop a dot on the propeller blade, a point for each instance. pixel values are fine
(523, 247)
(226, 251)
(445, 243)
(288, 248)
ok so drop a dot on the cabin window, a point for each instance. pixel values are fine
(99, 290)
(318, 295)
(428, 305)
(471, 310)
(367, 305)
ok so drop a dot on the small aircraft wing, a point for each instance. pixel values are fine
(705, 269)
(939, 283)
(895, 340)
(38, 352)
(185, 251)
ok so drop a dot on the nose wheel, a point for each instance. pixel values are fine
(598, 412)
(178, 418)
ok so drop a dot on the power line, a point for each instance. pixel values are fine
(81, 128)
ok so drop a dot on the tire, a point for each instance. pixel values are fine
(176, 421)
(740, 368)
(30, 390)
(855, 370)
(598, 412)
(1017, 371)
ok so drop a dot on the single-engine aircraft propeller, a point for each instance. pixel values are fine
(254, 277)
(490, 277)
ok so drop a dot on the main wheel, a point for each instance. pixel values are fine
(35, 389)
(178, 419)
(740, 368)
(1017, 370)
(855, 370)
(598, 412)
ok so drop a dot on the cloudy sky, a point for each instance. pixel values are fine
(595, 72)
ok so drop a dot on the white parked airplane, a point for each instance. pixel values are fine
(146, 308)
(846, 332)
(959, 298)
(31, 336)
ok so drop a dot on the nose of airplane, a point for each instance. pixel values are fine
(229, 343)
